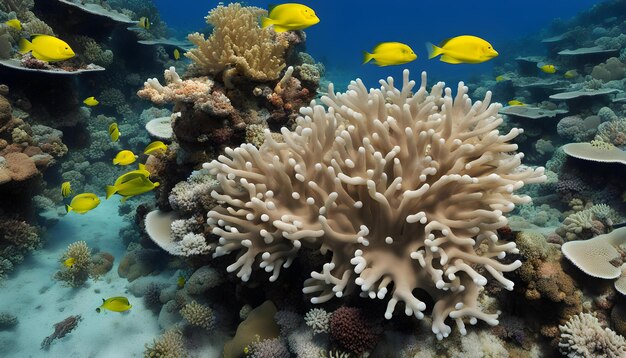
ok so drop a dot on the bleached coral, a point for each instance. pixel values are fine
(238, 43)
(405, 189)
(583, 336)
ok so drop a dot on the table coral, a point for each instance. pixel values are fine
(405, 189)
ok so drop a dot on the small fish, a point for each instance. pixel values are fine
(46, 48)
(91, 101)
(14, 23)
(115, 304)
(181, 281)
(124, 157)
(176, 54)
(114, 132)
(501, 78)
(69, 263)
(462, 49)
(291, 16)
(390, 53)
(548, 68)
(154, 147)
(515, 102)
(571, 74)
(66, 189)
(144, 22)
(83, 203)
(132, 183)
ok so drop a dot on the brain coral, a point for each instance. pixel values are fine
(405, 189)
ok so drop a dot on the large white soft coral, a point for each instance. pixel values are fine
(406, 190)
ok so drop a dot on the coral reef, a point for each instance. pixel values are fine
(583, 336)
(17, 238)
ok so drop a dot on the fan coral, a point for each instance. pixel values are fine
(199, 315)
(169, 345)
(239, 42)
(406, 189)
(582, 336)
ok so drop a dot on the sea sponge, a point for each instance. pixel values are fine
(401, 186)
(78, 273)
(199, 315)
(583, 336)
(169, 345)
(239, 42)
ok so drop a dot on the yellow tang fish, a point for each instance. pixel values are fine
(124, 157)
(69, 263)
(66, 189)
(144, 22)
(501, 78)
(290, 16)
(131, 184)
(14, 23)
(390, 53)
(83, 203)
(115, 304)
(462, 49)
(154, 147)
(515, 102)
(91, 101)
(181, 281)
(176, 54)
(46, 48)
(548, 68)
(114, 132)
(570, 74)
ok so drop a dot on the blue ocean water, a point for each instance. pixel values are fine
(349, 27)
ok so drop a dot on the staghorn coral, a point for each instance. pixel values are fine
(169, 345)
(199, 315)
(238, 44)
(77, 274)
(583, 336)
(404, 188)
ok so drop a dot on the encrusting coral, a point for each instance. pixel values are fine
(405, 189)
(238, 45)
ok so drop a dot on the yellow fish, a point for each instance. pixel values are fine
(570, 74)
(515, 102)
(115, 304)
(290, 16)
(131, 184)
(114, 132)
(181, 281)
(83, 203)
(46, 48)
(176, 54)
(66, 189)
(462, 49)
(124, 157)
(154, 147)
(91, 101)
(390, 53)
(548, 68)
(144, 22)
(69, 263)
(501, 78)
(14, 23)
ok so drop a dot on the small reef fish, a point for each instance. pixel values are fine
(124, 157)
(462, 49)
(66, 189)
(155, 147)
(83, 203)
(14, 23)
(69, 263)
(176, 54)
(515, 102)
(114, 132)
(115, 304)
(390, 53)
(548, 68)
(571, 74)
(290, 16)
(46, 48)
(144, 22)
(131, 184)
(181, 281)
(91, 101)
(501, 78)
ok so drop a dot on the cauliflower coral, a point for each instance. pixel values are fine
(405, 189)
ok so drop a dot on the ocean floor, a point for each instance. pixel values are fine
(39, 301)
